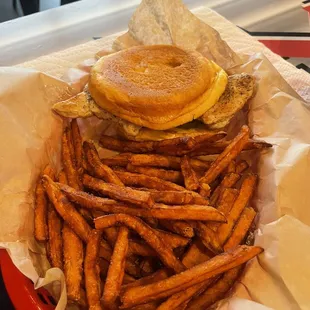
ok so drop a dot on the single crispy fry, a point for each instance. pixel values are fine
(171, 162)
(241, 166)
(219, 146)
(216, 291)
(231, 167)
(120, 160)
(66, 210)
(190, 178)
(146, 232)
(225, 204)
(246, 192)
(197, 274)
(92, 271)
(41, 207)
(208, 237)
(69, 161)
(196, 254)
(170, 239)
(116, 270)
(168, 175)
(176, 197)
(135, 247)
(54, 241)
(101, 170)
(114, 144)
(125, 194)
(205, 190)
(241, 228)
(229, 154)
(77, 143)
(160, 211)
(104, 266)
(174, 146)
(140, 180)
(73, 263)
(180, 227)
(40, 212)
(161, 274)
(228, 181)
(62, 178)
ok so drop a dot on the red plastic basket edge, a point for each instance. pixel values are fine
(20, 289)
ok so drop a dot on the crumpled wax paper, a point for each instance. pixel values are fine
(30, 138)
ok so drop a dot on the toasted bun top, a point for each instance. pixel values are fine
(159, 86)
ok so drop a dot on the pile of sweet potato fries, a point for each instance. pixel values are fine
(155, 226)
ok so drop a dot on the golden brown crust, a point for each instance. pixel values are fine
(139, 83)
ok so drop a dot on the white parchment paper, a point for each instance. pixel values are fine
(30, 138)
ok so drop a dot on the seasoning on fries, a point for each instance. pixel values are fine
(153, 243)
(92, 271)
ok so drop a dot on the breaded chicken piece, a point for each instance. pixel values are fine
(238, 91)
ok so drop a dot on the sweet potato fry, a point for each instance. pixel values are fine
(92, 271)
(231, 167)
(69, 161)
(216, 291)
(220, 288)
(120, 160)
(66, 210)
(229, 154)
(241, 166)
(134, 248)
(228, 181)
(208, 237)
(171, 162)
(178, 299)
(101, 170)
(196, 254)
(219, 146)
(55, 241)
(168, 175)
(73, 254)
(180, 227)
(41, 208)
(146, 232)
(225, 204)
(197, 274)
(62, 178)
(114, 144)
(104, 266)
(246, 192)
(140, 180)
(190, 178)
(176, 197)
(241, 228)
(174, 146)
(77, 143)
(170, 239)
(125, 194)
(160, 211)
(116, 270)
(161, 274)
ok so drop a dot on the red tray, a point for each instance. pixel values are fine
(21, 290)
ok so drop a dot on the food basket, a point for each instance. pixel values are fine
(21, 290)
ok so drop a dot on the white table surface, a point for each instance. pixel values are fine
(56, 29)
